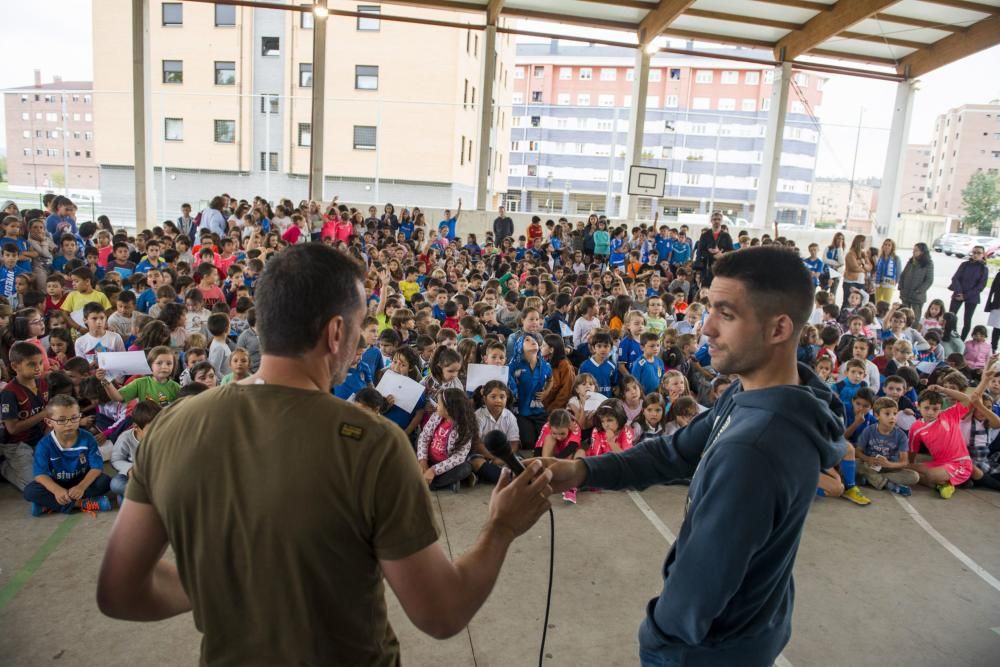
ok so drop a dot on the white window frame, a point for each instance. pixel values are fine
(583, 100)
(671, 102)
(609, 74)
(726, 104)
(606, 100)
(563, 99)
(586, 74)
(751, 78)
(704, 76)
(748, 104)
(173, 129)
(701, 103)
(729, 77)
(565, 73)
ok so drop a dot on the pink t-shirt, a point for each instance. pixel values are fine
(599, 445)
(572, 437)
(438, 451)
(942, 437)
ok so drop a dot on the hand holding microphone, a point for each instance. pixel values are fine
(517, 502)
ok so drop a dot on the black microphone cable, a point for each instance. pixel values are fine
(548, 596)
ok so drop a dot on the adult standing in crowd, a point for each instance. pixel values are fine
(302, 552)
(856, 267)
(887, 269)
(753, 461)
(212, 217)
(503, 227)
(833, 258)
(966, 285)
(711, 245)
(916, 278)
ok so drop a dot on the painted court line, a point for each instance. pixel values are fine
(943, 541)
(668, 535)
(17, 582)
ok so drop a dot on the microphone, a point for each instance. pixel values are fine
(499, 446)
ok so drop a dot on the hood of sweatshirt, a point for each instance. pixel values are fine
(811, 406)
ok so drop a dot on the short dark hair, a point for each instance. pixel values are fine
(218, 324)
(91, 308)
(776, 281)
(63, 401)
(144, 412)
(289, 325)
(22, 351)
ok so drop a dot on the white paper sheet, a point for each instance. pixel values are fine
(926, 367)
(77, 316)
(480, 374)
(564, 330)
(594, 401)
(124, 363)
(904, 421)
(403, 389)
(834, 273)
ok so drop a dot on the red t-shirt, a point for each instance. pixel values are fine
(438, 451)
(942, 437)
(572, 437)
(53, 305)
(534, 232)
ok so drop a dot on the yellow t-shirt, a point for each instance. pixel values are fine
(75, 300)
(408, 289)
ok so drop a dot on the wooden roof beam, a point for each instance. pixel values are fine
(654, 22)
(979, 36)
(825, 25)
(917, 23)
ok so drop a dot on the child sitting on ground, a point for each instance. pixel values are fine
(127, 445)
(68, 466)
(610, 431)
(446, 441)
(880, 449)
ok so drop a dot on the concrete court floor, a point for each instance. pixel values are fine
(873, 588)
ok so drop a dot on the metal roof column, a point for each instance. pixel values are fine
(770, 164)
(142, 126)
(486, 134)
(636, 130)
(317, 144)
(892, 172)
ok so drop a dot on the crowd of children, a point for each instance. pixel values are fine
(594, 334)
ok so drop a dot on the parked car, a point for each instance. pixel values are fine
(951, 241)
(965, 247)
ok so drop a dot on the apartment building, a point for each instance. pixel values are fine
(916, 171)
(232, 103)
(966, 140)
(705, 123)
(50, 137)
(836, 201)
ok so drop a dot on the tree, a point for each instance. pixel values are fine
(981, 198)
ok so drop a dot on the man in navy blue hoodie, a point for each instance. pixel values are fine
(753, 460)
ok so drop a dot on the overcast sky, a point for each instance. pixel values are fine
(55, 37)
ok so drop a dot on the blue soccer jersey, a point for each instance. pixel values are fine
(605, 373)
(67, 465)
(648, 373)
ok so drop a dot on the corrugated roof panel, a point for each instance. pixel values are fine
(877, 27)
(933, 12)
(760, 9)
(579, 8)
(728, 29)
(858, 47)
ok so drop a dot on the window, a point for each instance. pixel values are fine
(655, 75)
(308, 19)
(516, 98)
(751, 78)
(726, 104)
(797, 107)
(802, 79)
(76, 153)
(76, 117)
(563, 99)
(692, 179)
(76, 135)
(269, 103)
(87, 136)
(701, 103)
(173, 13)
(630, 75)
(173, 129)
(364, 137)
(51, 117)
(305, 75)
(270, 46)
(24, 98)
(583, 100)
(26, 134)
(675, 74)
(86, 99)
(532, 170)
(748, 105)
(538, 71)
(366, 77)
(703, 76)
(652, 101)
(269, 161)
(372, 22)
(26, 151)
(536, 96)
(769, 76)
(225, 131)
(305, 134)
(173, 71)
(518, 72)
(605, 100)
(461, 152)
(225, 15)
(586, 74)
(225, 73)
(765, 104)
(25, 115)
(730, 77)
(609, 74)
(671, 102)
(565, 73)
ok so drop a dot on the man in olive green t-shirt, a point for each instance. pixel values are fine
(285, 506)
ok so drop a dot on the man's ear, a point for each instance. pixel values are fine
(335, 334)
